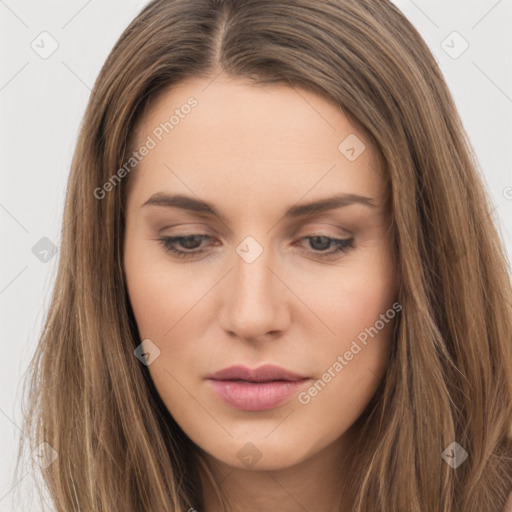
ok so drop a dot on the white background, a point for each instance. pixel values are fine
(41, 106)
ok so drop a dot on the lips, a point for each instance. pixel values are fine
(265, 373)
(260, 389)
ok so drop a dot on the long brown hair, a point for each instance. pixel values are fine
(449, 374)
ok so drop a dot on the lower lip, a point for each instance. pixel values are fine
(258, 396)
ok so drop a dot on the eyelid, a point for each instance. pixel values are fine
(298, 231)
(184, 230)
(197, 229)
(343, 232)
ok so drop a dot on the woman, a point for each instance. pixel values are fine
(280, 287)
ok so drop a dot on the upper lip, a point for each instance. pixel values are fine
(265, 373)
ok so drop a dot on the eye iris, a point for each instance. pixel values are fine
(320, 246)
(190, 241)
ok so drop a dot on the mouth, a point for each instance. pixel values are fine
(264, 388)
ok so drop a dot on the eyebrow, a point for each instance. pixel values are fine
(306, 209)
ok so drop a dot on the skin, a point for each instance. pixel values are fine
(254, 151)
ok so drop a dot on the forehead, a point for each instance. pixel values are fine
(258, 142)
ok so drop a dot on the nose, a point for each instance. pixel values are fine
(255, 302)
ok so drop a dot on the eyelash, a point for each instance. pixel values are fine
(342, 245)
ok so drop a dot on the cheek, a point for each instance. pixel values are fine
(160, 294)
(163, 299)
(360, 308)
(352, 299)
(351, 368)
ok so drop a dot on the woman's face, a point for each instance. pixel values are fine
(264, 281)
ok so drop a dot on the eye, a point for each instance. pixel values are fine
(188, 242)
(321, 243)
(192, 244)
